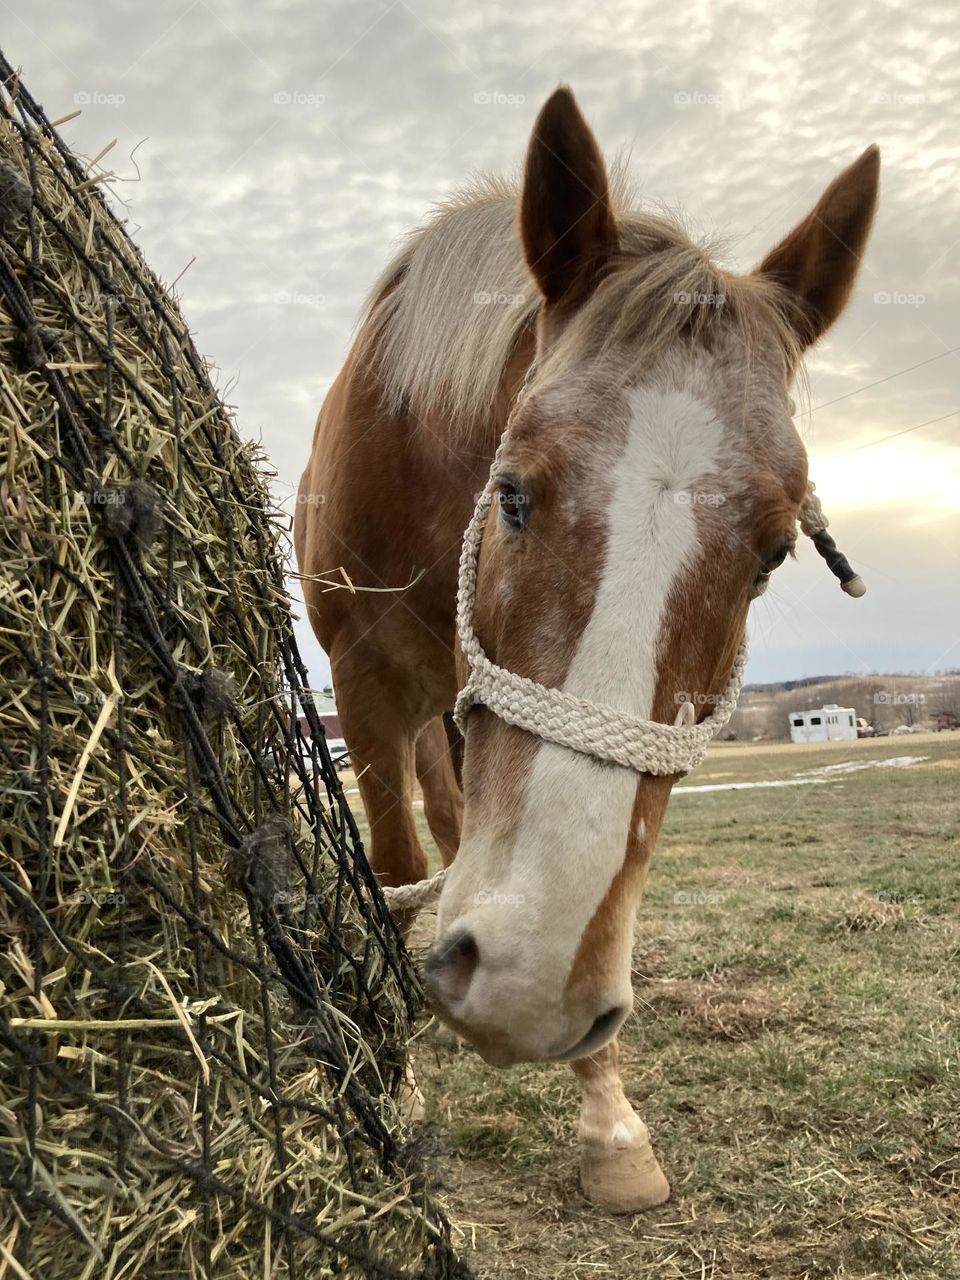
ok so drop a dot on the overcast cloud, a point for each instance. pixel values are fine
(287, 145)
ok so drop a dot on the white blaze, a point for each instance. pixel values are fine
(571, 837)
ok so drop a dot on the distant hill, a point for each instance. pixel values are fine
(884, 701)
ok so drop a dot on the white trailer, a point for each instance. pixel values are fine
(828, 724)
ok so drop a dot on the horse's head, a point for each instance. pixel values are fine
(649, 484)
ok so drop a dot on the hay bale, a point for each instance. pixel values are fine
(203, 999)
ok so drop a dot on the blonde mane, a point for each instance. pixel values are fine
(445, 316)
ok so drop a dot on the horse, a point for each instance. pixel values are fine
(649, 484)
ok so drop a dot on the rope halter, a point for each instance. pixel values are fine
(593, 729)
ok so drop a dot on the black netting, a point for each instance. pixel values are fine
(204, 1001)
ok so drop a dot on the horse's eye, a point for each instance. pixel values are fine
(513, 504)
(767, 566)
(776, 560)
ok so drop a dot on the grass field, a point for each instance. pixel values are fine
(795, 1046)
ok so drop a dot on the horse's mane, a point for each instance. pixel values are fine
(446, 314)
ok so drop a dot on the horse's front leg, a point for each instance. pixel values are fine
(618, 1169)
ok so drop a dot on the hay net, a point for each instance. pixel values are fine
(204, 1001)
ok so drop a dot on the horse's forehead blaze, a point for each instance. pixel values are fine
(576, 649)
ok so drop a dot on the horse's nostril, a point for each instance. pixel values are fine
(451, 966)
(601, 1030)
(603, 1025)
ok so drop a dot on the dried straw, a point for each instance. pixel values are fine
(203, 1000)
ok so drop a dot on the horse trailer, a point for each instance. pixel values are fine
(828, 724)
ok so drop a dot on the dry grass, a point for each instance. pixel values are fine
(795, 1047)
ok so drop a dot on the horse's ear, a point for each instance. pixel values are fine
(566, 222)
(818, 261)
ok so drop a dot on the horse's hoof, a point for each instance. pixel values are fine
(410, 1103)
(622, 1179)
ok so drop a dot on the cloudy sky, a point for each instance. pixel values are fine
(282, 147)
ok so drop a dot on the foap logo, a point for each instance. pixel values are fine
(694, 98)
(900, 899)
(296, 898)
(295, 299)
(897, 98)
(698, 699)
(97, 98)
(100, 498)
(494, 898)
(685, 299)
(894, 298)
(298, 98)
(892, 698)
(495, 98)
(498, 298)
(100, 301)
(89, 697)
(311, 499)
(699, 898)
(107, 899)
(684, 498)
(516, 499)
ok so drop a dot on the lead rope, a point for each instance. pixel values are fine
(416, 896)
(593, 729)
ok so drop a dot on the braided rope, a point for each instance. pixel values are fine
(590, 728)
(413, 897)
(812, 519)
